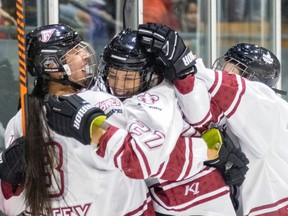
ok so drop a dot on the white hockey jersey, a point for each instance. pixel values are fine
(258, 118)
(143, 143)
(148, 146)
(88, 185)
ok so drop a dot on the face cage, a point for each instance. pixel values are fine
(125, 91)
(223, 61)
(87, 60)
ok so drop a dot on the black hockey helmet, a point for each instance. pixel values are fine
(47, 45)
(49, 42)
(125, 53)
(255, 63)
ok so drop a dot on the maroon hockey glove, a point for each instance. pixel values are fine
(73, 117)
(165, 42)
(12, 162)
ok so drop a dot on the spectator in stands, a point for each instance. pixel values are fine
(5, 16)
(245, 10)
(160, 11)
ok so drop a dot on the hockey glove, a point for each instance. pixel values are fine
(73, 117)
(165, 42)
(231, 161)
(12, 162)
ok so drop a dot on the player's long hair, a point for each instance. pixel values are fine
(38, 154)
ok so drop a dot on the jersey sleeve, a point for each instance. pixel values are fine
(214, 95)
(194, 99)
(13, 129)
(248, 108)
(12, 201)
(149, 144)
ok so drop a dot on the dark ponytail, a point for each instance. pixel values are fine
(39, 155)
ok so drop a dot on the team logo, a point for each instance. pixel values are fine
(148, 98)
(110, 102)
(46, 35)
(267, 58)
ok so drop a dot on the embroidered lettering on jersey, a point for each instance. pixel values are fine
(153, 107)
(80, 114)
(108, 103)
(79, 210)
(69, 210)
(194, 188)
(188, 58)
(148, 98)
(111, 112)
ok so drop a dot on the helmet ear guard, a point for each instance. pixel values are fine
(47, 61)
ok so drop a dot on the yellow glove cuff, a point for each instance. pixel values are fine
(97, 122)
(213, 138)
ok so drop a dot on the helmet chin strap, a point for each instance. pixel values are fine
(64, 81)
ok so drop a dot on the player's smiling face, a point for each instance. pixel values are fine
(78, 59)
(124, 83)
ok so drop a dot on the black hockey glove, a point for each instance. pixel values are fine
(12, 162)
(231, 161)
(165, 42)
(73, 117)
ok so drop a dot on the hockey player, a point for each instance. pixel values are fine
(250, 61)
(119, 71)
(59, 175)
(61, 64)
(126, 70)
(253, 62)
(247, 108)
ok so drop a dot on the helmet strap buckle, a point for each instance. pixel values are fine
(67, 69)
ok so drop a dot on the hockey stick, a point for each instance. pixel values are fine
(20, 12)
(128, 15)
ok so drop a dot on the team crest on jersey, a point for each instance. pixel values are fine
(148, 98)
(46, 34)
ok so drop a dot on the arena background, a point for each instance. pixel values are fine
(209, 27)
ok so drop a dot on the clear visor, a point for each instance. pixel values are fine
(80, 64)
(233, 66)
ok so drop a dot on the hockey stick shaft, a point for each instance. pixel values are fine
(128, 13)
(20, 12)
